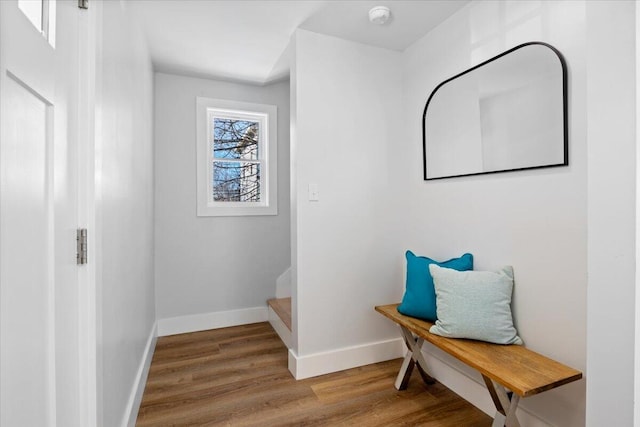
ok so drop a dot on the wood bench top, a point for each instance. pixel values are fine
(517, 368)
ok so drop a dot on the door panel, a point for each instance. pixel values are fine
(39, 286)
(26, 311)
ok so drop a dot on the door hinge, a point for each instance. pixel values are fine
(81, 245)
(83, 4)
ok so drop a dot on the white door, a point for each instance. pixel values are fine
(39, 343)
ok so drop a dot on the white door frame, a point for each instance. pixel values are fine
(90, 337)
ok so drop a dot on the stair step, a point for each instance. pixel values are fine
(282, 307)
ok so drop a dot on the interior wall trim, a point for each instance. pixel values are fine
(312, 365)
(135, 397)
(212, 320)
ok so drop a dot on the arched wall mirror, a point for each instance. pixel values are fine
(508, 113)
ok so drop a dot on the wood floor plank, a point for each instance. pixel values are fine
(238, 377)
(353, 387)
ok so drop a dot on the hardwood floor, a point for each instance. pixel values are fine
(238, 377)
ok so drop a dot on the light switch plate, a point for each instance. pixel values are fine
(314, 193)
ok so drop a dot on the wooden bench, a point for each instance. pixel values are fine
(510, 372)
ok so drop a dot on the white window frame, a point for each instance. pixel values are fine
(266, 115)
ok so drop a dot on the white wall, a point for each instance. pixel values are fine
(612, 142)
(637, 224)
(124, 207)
(353, 140)
(212, 264)
(534, 220)
(347, 125)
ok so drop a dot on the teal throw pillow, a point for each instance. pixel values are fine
(419, 297)
(475, 305)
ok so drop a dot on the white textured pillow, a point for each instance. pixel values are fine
(474, 305)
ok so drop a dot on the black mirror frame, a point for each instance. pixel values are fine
(565, 114)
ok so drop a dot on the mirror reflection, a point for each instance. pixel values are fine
(508, 113)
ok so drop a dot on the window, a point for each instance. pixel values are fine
(237, 153)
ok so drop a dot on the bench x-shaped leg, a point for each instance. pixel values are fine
(506, 404)
(414, 356)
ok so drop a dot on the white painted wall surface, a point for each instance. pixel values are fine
(348, 125)
(283, 284)
(293, 193)
(636, 416)
(612, 145)
(533, 220)
(212, 264)
(124, 205)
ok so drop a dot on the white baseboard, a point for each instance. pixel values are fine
(135, 398)
(467, 383)
(344, 358)
(214, 320)
(281, 329)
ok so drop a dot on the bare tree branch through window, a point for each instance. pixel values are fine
(236, 164)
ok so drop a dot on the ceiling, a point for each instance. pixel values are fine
(247, 40)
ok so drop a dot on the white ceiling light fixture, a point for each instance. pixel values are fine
(379, 15)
